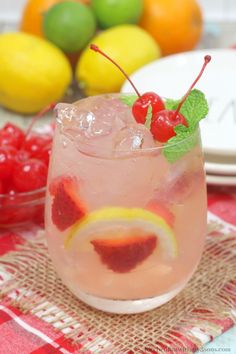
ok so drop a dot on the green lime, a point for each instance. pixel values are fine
(111, 13)
(69, 25)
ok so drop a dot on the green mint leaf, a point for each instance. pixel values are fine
(128, 99)
(183, 142)
(148, 117)
(193, 109)
(171, 104)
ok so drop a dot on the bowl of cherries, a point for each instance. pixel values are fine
(24, 159)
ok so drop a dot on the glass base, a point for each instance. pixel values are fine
(127, 306)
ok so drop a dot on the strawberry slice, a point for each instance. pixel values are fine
(66, 206)
(161, 210)
(55, 183)
(124, 254)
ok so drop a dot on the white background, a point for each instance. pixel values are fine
(222, 10)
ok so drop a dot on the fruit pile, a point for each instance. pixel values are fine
(37, 64)
(71, 24)
(24, 159)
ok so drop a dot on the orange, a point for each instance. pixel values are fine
(176, 25)
(33, 14)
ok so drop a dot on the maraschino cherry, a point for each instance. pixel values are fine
(24, 157)
(6, 161)
(29, 175)
(164, 122)
(140, 106)
(11, 135)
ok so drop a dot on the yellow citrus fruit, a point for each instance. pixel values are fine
(129, 45)
(131, 218)
(176, 25)
(33, 72)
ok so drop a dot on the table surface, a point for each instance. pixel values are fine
(226, 340)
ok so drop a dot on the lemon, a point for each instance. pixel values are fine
(129, 45)
(33, 72)
(131, 218)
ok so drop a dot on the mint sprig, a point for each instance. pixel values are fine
(183, 142)
(194, 109)
(128, 99)
(171, 104)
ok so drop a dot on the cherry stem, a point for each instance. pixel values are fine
(98, 50)
(38, 116)
(35, 119)
(207, 59)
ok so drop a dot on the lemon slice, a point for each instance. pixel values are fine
(126, 218)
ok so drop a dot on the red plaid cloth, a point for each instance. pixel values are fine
(26, 334)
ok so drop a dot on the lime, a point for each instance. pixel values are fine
(69, 25)
(131, 218)
(116, 12)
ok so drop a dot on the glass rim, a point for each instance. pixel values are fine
(82, 144)
(93, 150)
(24, 194)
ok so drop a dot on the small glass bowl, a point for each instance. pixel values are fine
(20, 209)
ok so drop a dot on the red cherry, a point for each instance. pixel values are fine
(6, 161)
(15, 132)
(36, 143)
(7, 139)
(44, 154)
(39, 147)
(163, 124)
(8, 188)
(11, 150)
(29, 175)
(140, 106)
(21, 155)
(38, 216)
(1, 188)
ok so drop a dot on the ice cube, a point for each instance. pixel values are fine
(112, 109)
(76, 123)
(65, 113)
(93, 117)
(133, 137)
(92, 125)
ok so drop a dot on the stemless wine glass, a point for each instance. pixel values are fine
(125, 216)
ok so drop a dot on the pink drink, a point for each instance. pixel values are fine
(125, 227)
